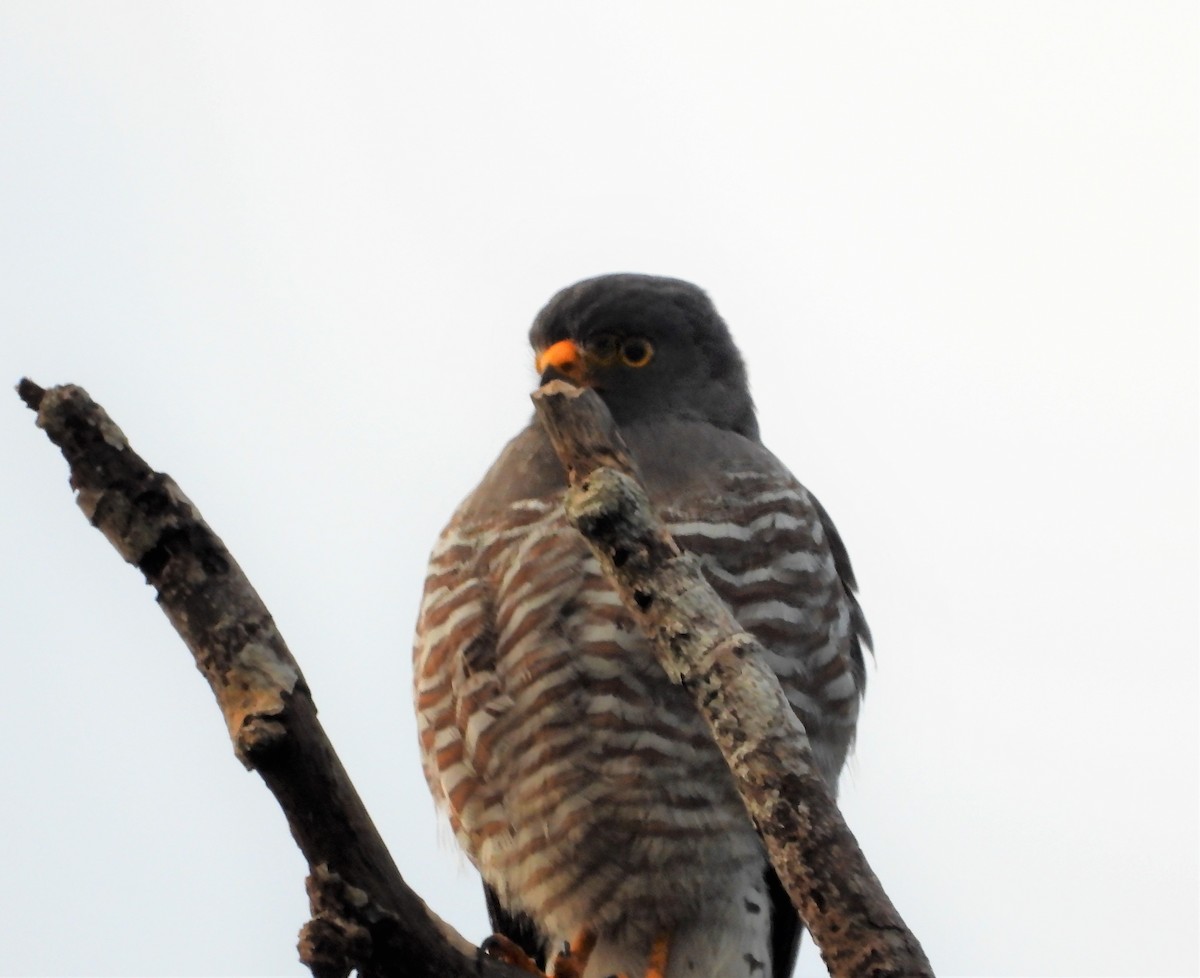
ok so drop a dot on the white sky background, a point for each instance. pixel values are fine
(294, 249)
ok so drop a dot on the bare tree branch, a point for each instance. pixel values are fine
(365, 916)
(701, 645)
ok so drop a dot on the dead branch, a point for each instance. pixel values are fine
(364, 915)
(701, 645)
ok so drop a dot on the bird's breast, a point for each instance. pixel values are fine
(581, 781)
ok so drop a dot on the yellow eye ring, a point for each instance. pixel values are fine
(636, 352)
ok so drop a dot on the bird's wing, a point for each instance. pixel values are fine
(773, 554)
(861, 633)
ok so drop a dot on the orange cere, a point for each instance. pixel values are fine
(560, 355)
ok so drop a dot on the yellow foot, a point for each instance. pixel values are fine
(656, 964)
(571, 962)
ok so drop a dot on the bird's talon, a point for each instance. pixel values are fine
(573, 960)
(500, 947)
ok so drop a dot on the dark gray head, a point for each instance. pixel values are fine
(650, 347)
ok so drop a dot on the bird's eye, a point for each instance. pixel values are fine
(636, 353)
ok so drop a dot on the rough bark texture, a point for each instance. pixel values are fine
(701, 645)
(364, 915)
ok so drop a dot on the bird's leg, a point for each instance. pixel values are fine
(573, 961)
(656, 964)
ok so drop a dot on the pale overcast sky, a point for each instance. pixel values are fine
(294, 249)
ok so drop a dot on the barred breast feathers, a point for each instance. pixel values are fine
(765, 543)
(575, 776)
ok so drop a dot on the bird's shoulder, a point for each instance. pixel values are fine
(526, 469)
(680, 459)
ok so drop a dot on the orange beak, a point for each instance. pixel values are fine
(563, 356)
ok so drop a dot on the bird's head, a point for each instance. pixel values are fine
(650, 347)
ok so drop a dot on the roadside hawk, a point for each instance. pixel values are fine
(578, 779)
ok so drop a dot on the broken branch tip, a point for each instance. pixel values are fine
(558, 388)
(30, 393)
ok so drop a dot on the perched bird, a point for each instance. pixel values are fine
(578, 779)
